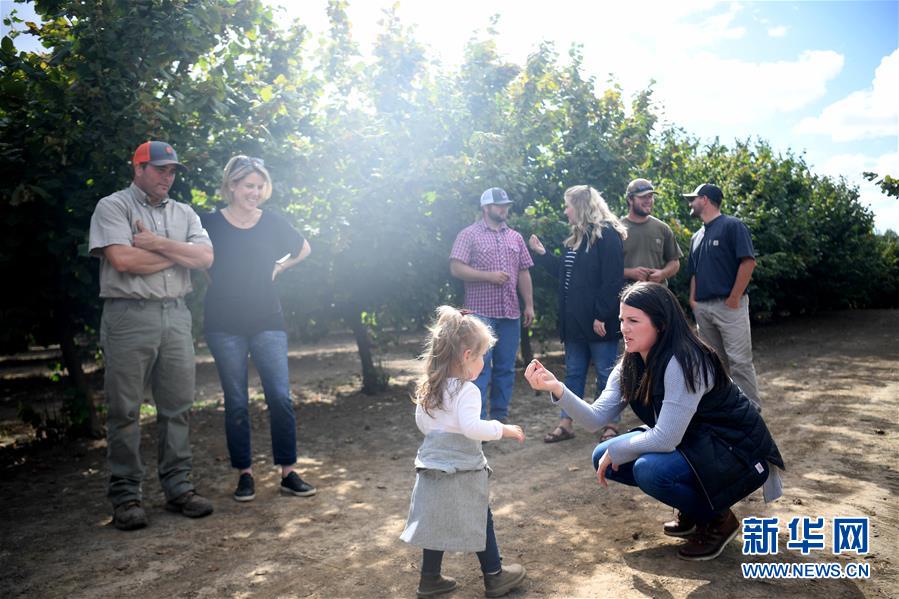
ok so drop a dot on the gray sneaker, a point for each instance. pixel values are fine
(497, 585)
(129, 516)
(190, 504)
(431, 585)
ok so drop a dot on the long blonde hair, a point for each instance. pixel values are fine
(239, 167)
(590, 213)
(452, 333)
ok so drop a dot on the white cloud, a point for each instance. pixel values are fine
(741, 92)
(863, 114)
(779, 31)
(886, 209)
(851, 166)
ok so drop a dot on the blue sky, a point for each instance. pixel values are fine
(820, 78)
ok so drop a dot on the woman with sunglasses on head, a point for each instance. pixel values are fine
(590, 270)
(243, 318)
(703, 448)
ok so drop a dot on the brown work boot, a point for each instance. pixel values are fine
(710, 539)
(129, 516)
(509, 577)
(190, 504)
(431, 585)
(682, 526)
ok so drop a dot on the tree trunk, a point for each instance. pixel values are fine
(374, 379)
(527, 352)
(81, 404)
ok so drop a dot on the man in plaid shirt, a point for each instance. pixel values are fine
(493, 261)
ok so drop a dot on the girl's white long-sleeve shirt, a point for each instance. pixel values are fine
(461, 413)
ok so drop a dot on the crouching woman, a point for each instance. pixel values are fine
(703, 448)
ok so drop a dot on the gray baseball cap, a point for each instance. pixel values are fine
(495, 195)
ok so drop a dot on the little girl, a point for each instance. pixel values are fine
(449, 510)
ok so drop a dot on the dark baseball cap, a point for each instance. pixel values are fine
(495, 195)
(712, 192)
(157, 153)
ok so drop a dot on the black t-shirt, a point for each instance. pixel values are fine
(241, 297)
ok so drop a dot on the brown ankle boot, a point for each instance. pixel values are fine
(710, 539)
(682, 526)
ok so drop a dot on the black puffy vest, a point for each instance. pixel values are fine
(727, 444)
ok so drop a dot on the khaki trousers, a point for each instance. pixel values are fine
(728, 332)
(147, 346)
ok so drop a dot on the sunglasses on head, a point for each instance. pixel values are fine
(244, 160)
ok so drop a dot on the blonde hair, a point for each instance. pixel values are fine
(239, 167)
(452, 333)
(590, 213)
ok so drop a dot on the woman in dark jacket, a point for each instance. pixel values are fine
(704, 446)
(591, 275)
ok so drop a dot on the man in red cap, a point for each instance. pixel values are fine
(147, 244)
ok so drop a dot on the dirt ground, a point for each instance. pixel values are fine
(830, 387)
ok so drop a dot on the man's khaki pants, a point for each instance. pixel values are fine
(728, 332)
(147, 346)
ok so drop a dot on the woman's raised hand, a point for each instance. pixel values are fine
(535, 245)
(541, 379)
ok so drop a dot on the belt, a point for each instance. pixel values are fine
(168, 302)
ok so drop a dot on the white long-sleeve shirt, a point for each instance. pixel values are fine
(461, 413)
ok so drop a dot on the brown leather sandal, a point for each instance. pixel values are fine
(563, 435)
(607, 432)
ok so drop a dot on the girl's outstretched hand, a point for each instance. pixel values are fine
(541, 379)
(513, 431)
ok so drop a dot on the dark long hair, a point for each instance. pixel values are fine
(675, 339)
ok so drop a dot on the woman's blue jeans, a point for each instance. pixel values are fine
(269, 352)
(432, 560)
(663, 476)
(578, 355)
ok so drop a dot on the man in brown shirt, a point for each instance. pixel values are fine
(147, 243)
(651, 252)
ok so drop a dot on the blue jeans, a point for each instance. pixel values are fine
(269, 352)
(577, 361)
(432, 560)
(499, 367)
(664, 476)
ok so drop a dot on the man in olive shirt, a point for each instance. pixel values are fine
(147, 244)
(651, 252)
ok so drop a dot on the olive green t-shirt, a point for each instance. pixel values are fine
(650, 244)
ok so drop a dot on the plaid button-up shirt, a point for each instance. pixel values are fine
(485, 249)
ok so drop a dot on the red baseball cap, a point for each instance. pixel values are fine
(157, 153)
